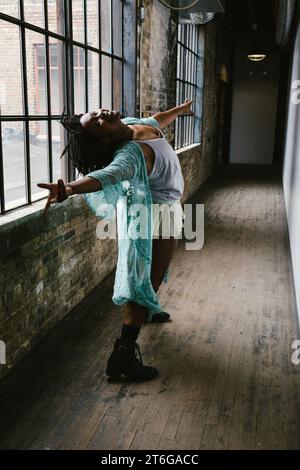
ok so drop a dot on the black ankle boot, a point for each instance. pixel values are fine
(160, 317)
(123, 361)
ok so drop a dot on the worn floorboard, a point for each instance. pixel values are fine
(226, 377)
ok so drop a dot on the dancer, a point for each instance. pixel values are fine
(128, 163)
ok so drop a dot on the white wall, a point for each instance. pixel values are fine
(291, 171)
(254, 106)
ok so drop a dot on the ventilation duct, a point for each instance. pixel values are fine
(284, 18)
(196, 18)
(195, 12)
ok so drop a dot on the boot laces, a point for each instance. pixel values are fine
(137, 349)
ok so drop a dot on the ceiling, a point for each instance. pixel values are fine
(242, 14)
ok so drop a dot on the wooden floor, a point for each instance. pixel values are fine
(226, 378)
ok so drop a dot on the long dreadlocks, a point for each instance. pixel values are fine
(85, 151)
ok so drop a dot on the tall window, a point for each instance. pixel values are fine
(55, 56)
(189, 82)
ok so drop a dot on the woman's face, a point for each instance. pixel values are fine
(103, 123)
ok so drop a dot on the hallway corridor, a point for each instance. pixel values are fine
(226, 378)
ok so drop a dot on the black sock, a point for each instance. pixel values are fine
(130, 333)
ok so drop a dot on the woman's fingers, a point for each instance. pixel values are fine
(62, 193)
(58, 193)
(51, 200)
(188, 104)
(45, 186)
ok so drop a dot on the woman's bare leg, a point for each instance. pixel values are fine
(162, 253)
(123, 358)
(134, 314)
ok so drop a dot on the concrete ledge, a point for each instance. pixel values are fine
(34, 210)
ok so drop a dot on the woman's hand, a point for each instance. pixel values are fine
(186, 108)
(165, 118)
(58, 193)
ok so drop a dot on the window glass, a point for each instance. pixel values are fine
(78, 20)
(106, 42)
(94, 81)
(11, 91)
(58, 145)
(13, 144)
(56, 16)
(117, 85)
(10, 7)
(34, 12)
(117, 27)
(106, 82)
(57, 76)
(36, 73)
(79, 79)
(38, 141)
(37, 80)
(92, 15)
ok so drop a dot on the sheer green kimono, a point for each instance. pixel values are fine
(124, 184)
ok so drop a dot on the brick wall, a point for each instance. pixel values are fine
(210, 106)
(158, 61)
(158, 78)
(47, 268)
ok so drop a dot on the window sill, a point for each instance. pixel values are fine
(187, 148)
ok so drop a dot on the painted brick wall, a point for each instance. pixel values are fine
(47, 268)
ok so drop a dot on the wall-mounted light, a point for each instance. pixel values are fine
(256, 57)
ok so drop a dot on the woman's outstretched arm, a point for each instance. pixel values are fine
(60, 191)
(122, 168)
(167, 117)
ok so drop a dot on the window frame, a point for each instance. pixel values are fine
(68, 43)
(188, 129)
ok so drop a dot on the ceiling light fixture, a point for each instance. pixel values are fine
(256, 57)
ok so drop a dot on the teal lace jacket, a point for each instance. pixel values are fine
(125, 183)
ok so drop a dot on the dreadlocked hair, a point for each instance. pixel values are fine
(85, 151)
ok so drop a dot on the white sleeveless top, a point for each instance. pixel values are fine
(165, 180)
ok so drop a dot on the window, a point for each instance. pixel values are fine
(55, 55)
(189, 82)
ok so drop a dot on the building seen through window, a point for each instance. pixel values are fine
(44, 72)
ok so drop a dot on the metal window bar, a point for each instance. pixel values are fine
(122, 90)
(49, 124)
(186, 81)
(70, 43)
(112, 48)
(86, 58)
(26, 111)
(99, 58)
